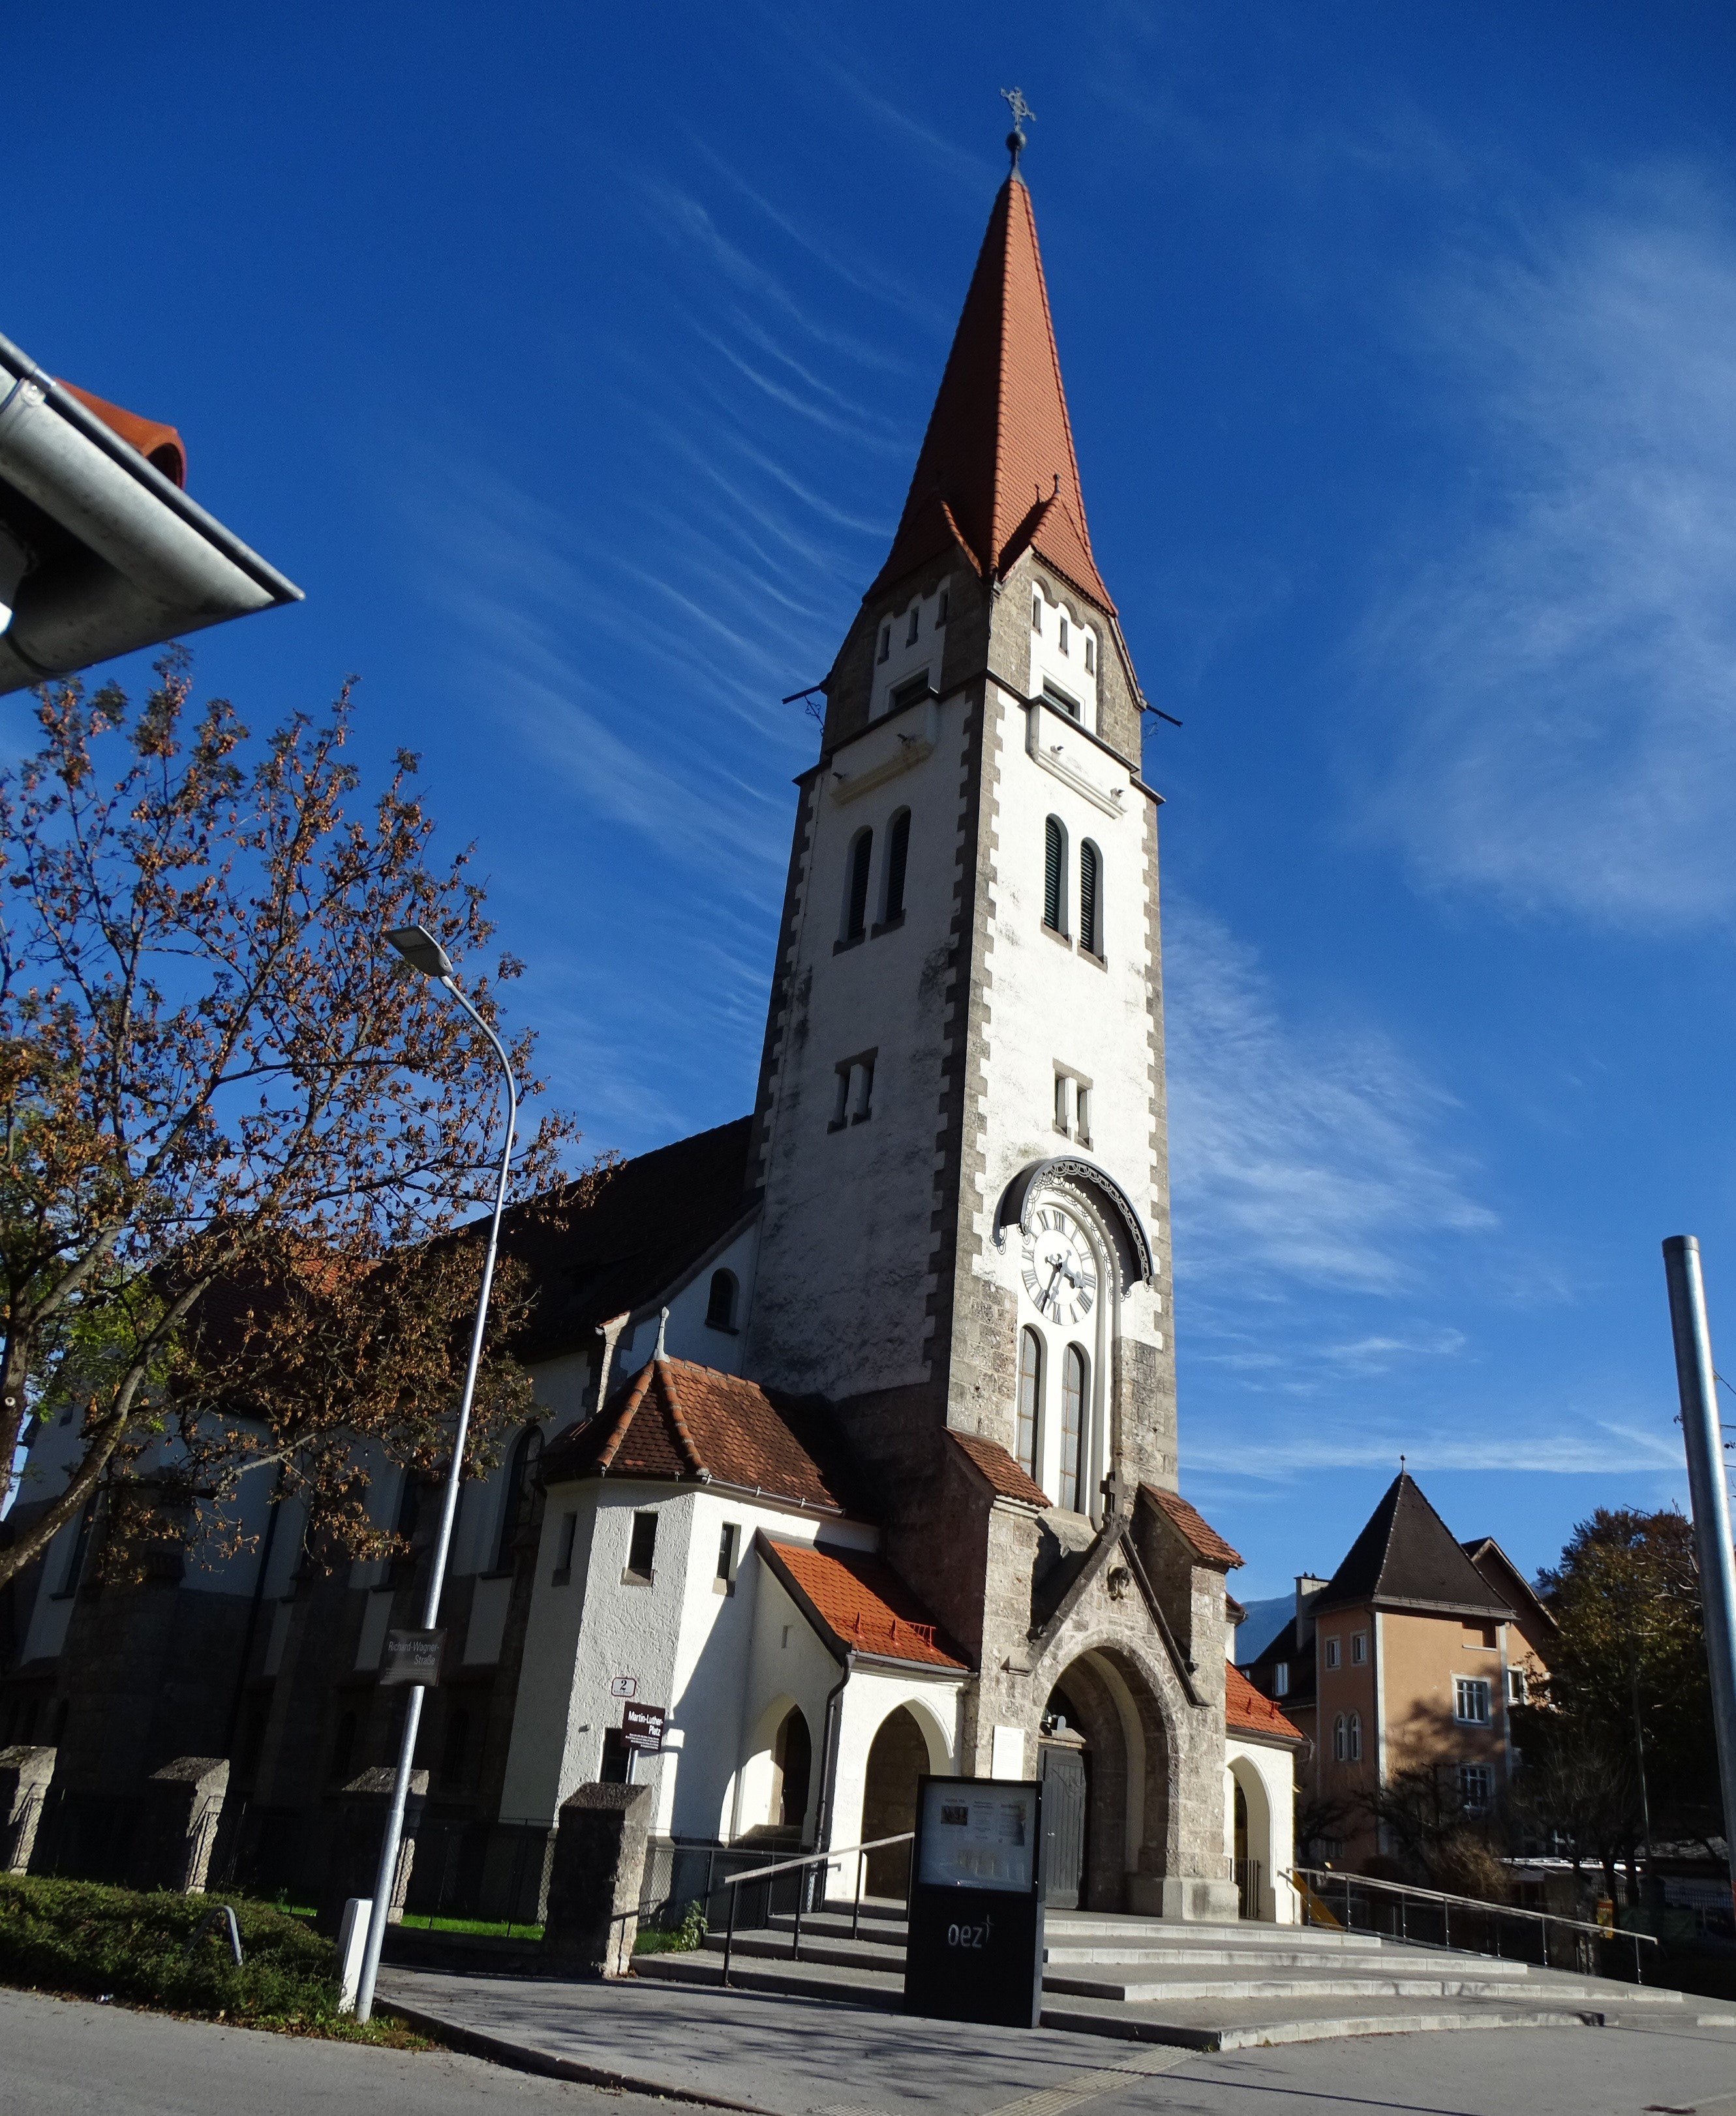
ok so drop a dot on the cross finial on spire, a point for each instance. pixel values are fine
(1014, 99)
(1400, 1465)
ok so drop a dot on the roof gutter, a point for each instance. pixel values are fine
(151, 563)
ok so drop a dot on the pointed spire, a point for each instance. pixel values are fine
(997, 475)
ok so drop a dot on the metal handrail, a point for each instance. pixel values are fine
(1404, 1890)
(733, 1881)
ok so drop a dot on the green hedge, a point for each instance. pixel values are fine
(81, 1936)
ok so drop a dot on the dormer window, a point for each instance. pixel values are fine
(886, 642)
(1063, 635)
(1036, 613)
(916, 624)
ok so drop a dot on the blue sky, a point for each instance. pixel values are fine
(574, 362)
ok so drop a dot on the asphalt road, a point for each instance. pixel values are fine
(65, 2058)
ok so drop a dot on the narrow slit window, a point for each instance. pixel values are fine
(1030, 1397)
(1054, 874)
(641, 1550)
(1090, 655)
(898, 856)
(915, 624)
(1339, 1743)
(855, 906)
(1036, 613)
(1090, 899)
(886, 642)
(1072, 1427)
(727, 1545)
(1062, 635)
(943, 610)
(1356, 1737)
(1082, 1114)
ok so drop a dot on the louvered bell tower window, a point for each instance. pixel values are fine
(1054, 875)
(1090, 937)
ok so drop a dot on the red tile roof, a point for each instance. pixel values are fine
(1246, 1711)
(1202, 1538)
(690, 1424)
(993, 1460)
(996, 473)
(861, 1602)
(161, 446)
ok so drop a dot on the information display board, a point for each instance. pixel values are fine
(975, 1950)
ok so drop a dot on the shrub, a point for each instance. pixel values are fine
(83, 1937)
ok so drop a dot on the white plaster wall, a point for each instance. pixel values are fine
(1067, 667)
(786, 1664)
(840, 1306)
(1054, 1006)
(689, 1648)
(1268, 1776)
(688, 1335)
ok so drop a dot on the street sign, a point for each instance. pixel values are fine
(623, 1686)
(642, 1725)
(975, 1948)
(412, 1657)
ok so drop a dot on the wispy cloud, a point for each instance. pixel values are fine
(1598, 1448)
(1302, 1155)
(1554, 688)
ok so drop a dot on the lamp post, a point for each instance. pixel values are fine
(424, 954)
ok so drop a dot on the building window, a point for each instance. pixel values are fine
(519, 1501)
(1476, 1787)
(1354, 1737)
(1064, 700)
(886, 642)
(1090, 899)
(1072, 1427)
(853, 1098)
(728, 1546)
(1471, 1701)
(1054, 874)
(563, 1552)
(856, 891)
(1090, 655)
(941, 609)
(897, 861)
(1331, 1652)
(915, 625)
(1359, 1647)
(80, 1549)
(1036, 613)
(720, 1307)
(1340, 1740)
(1082, 1114)
(1062, 634)
(1280, 1678)
(1519, 1687)
(908, 692)
(1030, 1398)
(642, 1552)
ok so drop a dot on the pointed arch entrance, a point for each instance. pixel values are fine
(1103, 1746)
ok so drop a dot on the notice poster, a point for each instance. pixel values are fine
(978, 1834)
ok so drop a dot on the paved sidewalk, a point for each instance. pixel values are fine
(793, 2057)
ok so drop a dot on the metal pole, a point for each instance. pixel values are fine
(729, 1937)
(1709, 1492)
(443, 1542)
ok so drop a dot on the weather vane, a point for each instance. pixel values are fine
(1014, 99)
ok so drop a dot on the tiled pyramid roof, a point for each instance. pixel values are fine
(1246, 1711)
(689, 1424)
(860, 1602)
(1406, 1556)
(993, 1460)
(1199, 1535)
(997, 472)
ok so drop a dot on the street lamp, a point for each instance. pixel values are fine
(425, 954)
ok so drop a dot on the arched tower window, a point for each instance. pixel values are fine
(1338, 1739)
(897, 859)
(1356, 1737)
(856, 893)
(1090, 899)
(1030, 1399)
(520, 1499)
(720, 1307)
(1054, 875)
(1073, 1372)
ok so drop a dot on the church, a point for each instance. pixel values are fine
(857, 1457)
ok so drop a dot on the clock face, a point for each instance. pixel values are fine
(1060, 1272)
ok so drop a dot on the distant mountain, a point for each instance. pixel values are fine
(1265, 1620)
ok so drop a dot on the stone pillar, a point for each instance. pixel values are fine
(595, 1883)
(177, 1827)
(358, 1830)
(25, 1774)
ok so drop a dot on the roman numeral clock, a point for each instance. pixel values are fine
(1058, 1273)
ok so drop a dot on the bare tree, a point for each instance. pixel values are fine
(236, 1142)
